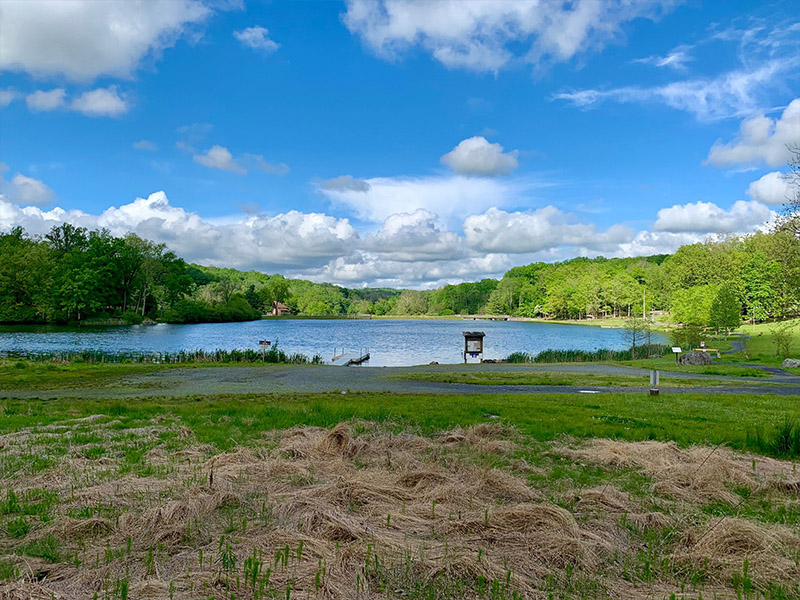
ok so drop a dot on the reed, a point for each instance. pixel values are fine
(273, 356)
(603, 354)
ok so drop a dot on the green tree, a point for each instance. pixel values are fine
(692, 306)
(726, 309)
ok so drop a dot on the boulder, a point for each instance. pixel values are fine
(791, 363)
(695, 358)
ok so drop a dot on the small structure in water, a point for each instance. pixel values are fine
(473, 344)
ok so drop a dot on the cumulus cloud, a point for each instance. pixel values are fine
(707, 217)
(407, 249)
(85, 39)
(290, 240)
(532, 231)
(257, 38)
(647, 243)
(102, 102)
(476, 156)
(145, 145)
(487, 35)
(449, 197)
(773, 188)
(219, 157)
(417, 236)
(25, 191)
(761, 140)
(41, 101)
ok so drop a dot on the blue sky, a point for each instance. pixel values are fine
(398, 142)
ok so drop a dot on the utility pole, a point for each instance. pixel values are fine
(644, 303)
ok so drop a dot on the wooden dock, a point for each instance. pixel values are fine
(348, 359)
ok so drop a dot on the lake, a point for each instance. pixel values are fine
(390, 342)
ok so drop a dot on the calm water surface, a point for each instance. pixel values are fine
(390, 342)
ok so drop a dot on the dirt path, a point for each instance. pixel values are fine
(314, 379)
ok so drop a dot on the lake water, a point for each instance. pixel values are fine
(389, 342)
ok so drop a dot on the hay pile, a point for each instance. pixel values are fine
(724, 546)
(318, 513)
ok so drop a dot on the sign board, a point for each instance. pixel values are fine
(473, 344)
(677, 349)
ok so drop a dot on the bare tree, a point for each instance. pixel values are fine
(636, 333)
(790, 217)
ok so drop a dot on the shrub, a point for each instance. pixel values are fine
(132, 318)
(782, 338)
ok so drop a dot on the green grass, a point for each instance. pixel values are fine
(761, 346)
(667, 363)
(558, 379)
(228, 420)
(48, 548)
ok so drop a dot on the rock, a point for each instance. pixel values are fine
(791, 363)
(695, 358)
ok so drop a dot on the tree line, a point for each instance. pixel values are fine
(72, 274)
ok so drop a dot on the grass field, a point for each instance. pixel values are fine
(384, 496)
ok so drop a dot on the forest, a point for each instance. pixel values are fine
(74, 275)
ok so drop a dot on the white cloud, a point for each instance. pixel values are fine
(25, 191)
(773, 188)
(408, 249)
(256, 161)
(292, 240)
(85, 39)
(676, 59)
(454, 196)
(7, 96)
(257, 38)
(145, 145)
(40, 101)
(417, 236)
(487, 35)
(761, 140)
(768, 58)
(219, 157)
(531, 231)
(729, 95)
(707, 217)
(344, 183)
(647, 243)
(476, 156)
(102, 102)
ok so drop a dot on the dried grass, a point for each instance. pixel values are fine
(383, 510)
(698, 474)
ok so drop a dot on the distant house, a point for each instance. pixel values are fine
(279, 309)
